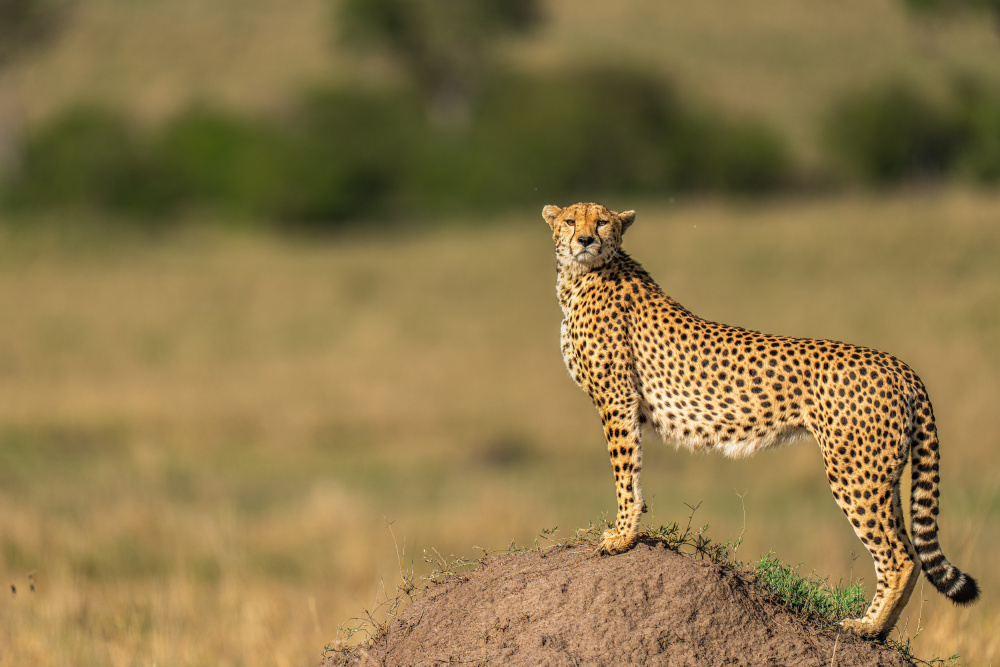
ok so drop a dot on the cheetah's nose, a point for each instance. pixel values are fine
(585, 240)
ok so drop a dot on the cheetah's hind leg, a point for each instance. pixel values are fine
(876, 515)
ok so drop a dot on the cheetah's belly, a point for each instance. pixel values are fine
(691, 420)
(700, 433)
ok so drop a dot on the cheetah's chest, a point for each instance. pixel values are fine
(566, 345)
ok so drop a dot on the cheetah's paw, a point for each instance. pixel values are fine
(612, 542)
(860, 626)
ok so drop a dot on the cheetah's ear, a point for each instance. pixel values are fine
(627, 218)
(550, 213)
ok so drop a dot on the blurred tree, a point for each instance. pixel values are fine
(24, 26)
(929, 7)
(445, 46)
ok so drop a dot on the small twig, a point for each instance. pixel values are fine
(743, 504)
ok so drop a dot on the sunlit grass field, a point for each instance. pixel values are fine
(206, 435)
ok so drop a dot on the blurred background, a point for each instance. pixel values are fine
(277, 313)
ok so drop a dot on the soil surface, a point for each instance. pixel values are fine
(568, 606)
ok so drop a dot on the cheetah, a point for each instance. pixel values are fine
(643, 358)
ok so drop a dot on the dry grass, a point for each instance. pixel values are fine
(152, 57)
(202, 436)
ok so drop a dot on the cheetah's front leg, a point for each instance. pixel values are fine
(621, 428)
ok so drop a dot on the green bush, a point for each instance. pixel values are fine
(90, 158)
(590, 133)
(979, 159)
(218, 160)
(572, 136)
(742, 157)
(350, 153)
(892, 133)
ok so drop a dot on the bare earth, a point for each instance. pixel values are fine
(566, 606)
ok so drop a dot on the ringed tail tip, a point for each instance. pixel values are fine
(965, 592)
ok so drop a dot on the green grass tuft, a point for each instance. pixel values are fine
(809, 596)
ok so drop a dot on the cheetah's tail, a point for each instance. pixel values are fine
(948, 579)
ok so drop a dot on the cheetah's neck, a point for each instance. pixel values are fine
(572, 280)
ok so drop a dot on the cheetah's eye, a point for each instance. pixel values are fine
(601, 223)
(570, 222)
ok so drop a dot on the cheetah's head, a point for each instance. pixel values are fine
(586, 235)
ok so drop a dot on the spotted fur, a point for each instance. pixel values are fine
(643, 358)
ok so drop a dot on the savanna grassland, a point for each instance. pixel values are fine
(217, 443)
(215, 447)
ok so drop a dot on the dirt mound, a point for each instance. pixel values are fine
(566, 606)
